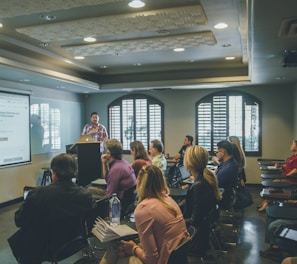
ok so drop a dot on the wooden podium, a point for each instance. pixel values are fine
(89, 162)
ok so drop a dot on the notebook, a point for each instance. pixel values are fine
(86, 139)
(99, 182)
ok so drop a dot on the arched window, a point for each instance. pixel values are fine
(136, 117)
(50, 120)
(230, 113)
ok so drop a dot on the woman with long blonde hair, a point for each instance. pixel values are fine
(202, 198)
(159, 222)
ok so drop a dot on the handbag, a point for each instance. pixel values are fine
(243, 197)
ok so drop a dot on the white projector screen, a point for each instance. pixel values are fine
(14, 129)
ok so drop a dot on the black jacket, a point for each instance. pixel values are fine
(50, 216)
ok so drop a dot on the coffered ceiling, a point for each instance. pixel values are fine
(42, 44)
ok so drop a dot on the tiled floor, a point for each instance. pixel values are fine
(251, 237)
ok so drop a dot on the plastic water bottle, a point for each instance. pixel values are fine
(114, 210)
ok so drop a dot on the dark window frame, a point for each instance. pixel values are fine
(119, 103)
(246, 98)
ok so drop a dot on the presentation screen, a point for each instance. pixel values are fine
(14, 128)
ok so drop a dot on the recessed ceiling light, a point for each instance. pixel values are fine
(89, 39)
(136, 4)
(1, 25)
(230, 58)
(48, 17)
(79, 57)
(162, 32)
(68, 61)
(220, 25)
(179, 49)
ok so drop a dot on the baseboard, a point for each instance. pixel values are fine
(14, 201)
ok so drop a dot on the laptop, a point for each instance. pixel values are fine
(26, 190)
(101, 182)
(185, 175)
(86, 139)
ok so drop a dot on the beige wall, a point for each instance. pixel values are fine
(279, 128)
(179, 116)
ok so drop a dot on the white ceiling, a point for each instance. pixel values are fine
(134, 47)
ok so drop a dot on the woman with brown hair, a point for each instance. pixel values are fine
(239, 156)
(140, 155)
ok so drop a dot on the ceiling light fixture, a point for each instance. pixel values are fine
(179, 49)
(1, 25)
(48, 17)
(136, 4)
(79, 57)
(89, 39)
(229, 58)
(221, 26)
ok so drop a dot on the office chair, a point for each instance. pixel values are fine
(180, 254)
(128, 202)
(66, 237)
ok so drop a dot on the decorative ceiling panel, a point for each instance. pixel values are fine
(27, 7)
(141, 45)
(170, 18)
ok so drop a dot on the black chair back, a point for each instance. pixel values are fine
(66, 237)
(128, 201)
(180, 254)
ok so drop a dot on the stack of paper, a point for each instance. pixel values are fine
(104, 232)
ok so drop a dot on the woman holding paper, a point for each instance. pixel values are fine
(159, 222)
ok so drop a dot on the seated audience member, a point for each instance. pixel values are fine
(159, 222)
(239, 156)
(227, 171)
(44, 207)
(202, 198)
(118, 173)
(188, 141)
(289, 169)
(156, 150)
(140, 155)
(274, 252)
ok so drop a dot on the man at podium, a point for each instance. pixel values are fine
(97, 130)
